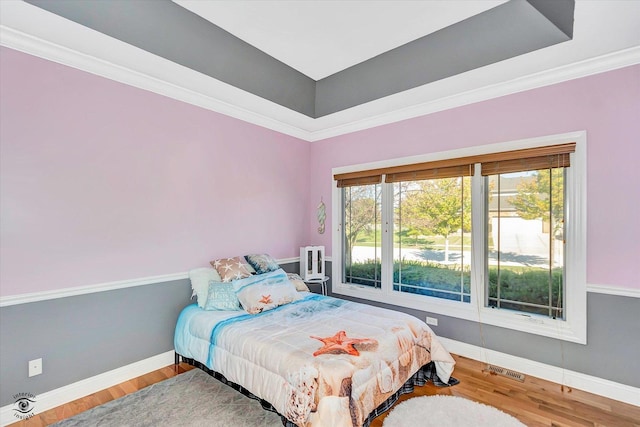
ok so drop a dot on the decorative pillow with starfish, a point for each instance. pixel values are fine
(232, 268)
(266, 291)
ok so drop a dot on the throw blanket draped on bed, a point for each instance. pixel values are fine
(319, 361)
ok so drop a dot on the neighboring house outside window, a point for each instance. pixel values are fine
(477, 234)
(525, 241)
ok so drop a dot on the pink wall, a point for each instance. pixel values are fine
(100, 181)
(607, 106)
(103, 182)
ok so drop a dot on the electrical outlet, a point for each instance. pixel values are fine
(432, 321)
(35, 367)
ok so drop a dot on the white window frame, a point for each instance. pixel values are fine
(572, 328)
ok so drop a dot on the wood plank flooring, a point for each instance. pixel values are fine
(535, 402)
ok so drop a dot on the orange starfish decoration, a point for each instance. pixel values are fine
(266, 299)
(340, 344)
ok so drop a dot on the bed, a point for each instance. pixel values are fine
(316, 360)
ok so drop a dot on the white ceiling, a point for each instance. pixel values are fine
(322, 37)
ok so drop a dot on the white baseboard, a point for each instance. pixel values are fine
(601, 387)
(595, 385)
(68, 393)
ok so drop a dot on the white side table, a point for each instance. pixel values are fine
(322, 282)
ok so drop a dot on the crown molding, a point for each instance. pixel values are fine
(41, 48)
(183, 84)
(585, 68)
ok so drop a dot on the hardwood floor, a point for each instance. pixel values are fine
(535, 402)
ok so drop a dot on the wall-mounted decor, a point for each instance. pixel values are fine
(321, 213)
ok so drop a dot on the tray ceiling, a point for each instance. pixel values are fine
(316, 69)
(320, 38)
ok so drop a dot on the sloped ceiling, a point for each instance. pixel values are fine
(316, 69)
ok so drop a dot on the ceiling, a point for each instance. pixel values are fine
(320, 38)
(326, 51)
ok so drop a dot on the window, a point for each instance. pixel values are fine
(431, 237)
(525, 241)
(493, 233)
(362, 235)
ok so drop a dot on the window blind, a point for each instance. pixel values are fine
(362, 180)
(550, 156)
(433, 173)
(525, 160)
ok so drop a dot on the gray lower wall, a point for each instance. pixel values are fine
(83, 336)
(613, 338)
(86, 335)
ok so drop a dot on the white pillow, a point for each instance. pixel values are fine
(200, 278)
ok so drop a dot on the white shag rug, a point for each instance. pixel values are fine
(443, 411)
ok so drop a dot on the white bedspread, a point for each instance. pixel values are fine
(319, 361)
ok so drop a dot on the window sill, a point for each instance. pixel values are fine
(533, 324)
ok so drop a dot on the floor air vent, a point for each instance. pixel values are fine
(506, 373)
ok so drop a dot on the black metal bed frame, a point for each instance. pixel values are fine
(425, 374)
